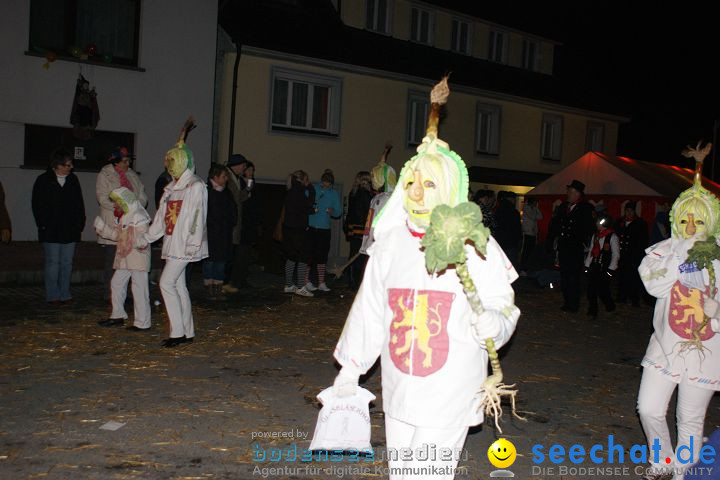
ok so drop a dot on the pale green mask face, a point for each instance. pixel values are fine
(424, 188)
(692, 226)
(120, 202)
(179, 159)
(176, 167)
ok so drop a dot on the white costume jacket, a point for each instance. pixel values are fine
(133, 251)
(677, 310)
(181, 219)
(107, 181)
(419, 324)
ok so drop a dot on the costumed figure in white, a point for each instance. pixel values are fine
(431, 344)
(132, 259)
(180, 220)
(680, 272)
(384, 180)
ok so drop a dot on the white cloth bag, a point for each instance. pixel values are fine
(343, 423)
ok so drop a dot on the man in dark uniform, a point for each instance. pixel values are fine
(576, 225)
(632, 232)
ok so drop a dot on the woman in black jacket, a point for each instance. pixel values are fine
(221, 219)
(59, 212)
(358, 207)
(299, 201)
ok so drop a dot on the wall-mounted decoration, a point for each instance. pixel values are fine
(85, 113)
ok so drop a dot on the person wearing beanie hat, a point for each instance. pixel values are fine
(117, 173)
(180, 220)
(327, 207)
(418, 323)
(633, 234)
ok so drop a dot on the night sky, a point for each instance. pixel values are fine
(653, 62)
(655, 66)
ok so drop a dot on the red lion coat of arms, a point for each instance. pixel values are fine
(686, 312)
(418, 331)
(171, 215)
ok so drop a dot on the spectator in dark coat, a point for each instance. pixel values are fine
(358, 209)
(251, 221)
(632, 232)
(575, 226)
(509, 231)
(161, 183)
(221, 219)
(59, 212)
(299, 201)
(661, 227)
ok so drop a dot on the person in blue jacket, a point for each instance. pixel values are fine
(327, 208)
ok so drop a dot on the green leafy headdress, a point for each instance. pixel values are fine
(180, 158)
(696, 199)
(437, 162)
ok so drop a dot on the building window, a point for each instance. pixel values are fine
(89, 155)
(305, 103)
(418, 109)
(552, 126)
(530, 54)
(497, 46)
(595, 137)
(377, 15)
(460, 37)
(488, 129)
(106, 31)
(421, 25)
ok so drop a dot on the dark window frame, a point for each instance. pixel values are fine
(70, 38)
(420, 98)
(41, 140)
(334, 87)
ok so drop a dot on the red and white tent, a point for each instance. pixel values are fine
(613, 181)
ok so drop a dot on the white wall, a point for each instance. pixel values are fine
(177, 50)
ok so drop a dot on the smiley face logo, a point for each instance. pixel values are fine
(502, 453)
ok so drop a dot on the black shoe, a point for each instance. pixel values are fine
(187, 340)
(133, 328)
(592, 312)
(610, 308)
(173, 342)
(565, 308)
(111, 322)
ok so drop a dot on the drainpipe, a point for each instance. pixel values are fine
(238, 46)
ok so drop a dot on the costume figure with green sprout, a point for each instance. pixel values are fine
(132, 259)
(680, 272)
(180, 221)
(428, 329)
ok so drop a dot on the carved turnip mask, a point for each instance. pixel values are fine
(432, 178)
(694, 215)
(179, 159)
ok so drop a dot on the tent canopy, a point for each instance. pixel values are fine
(606, 175)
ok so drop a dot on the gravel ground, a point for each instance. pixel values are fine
(258, 362)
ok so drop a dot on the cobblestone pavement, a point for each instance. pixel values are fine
(258, 362)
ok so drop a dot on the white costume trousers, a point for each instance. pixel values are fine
(177, 298)
(141, 296)
(401, 435)
(692, 403)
